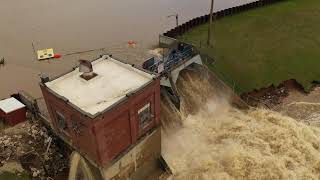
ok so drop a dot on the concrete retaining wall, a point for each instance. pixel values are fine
(217, 15)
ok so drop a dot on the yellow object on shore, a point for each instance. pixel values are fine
(45, 54)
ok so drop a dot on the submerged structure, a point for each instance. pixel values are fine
(109, 112)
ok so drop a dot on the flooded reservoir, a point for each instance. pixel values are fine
(112, 123)
(72, 26)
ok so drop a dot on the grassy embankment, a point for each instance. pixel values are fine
(265, 46)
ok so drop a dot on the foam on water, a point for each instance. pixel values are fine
(217, 141)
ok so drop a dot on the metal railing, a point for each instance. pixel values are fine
(176, 58)
(171, 61)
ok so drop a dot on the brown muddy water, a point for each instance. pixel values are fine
(78, 25)
(214, 140)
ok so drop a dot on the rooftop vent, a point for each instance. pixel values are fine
(86, 68)
(44, 78)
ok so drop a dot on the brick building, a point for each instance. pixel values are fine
(104, 108)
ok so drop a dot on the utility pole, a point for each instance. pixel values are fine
(210, 24)
(177, 18)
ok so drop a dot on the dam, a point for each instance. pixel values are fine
(211, 134)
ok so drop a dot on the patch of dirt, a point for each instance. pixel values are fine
(31, 146)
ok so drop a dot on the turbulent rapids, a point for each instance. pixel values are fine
(210, 139)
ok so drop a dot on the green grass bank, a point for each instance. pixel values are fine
(265, 46)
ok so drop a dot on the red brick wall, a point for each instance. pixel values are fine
(118, 128)
(2, 115)
(84, 141)
(14, 117)
(106, 136)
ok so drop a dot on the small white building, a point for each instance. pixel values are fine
(12, 111)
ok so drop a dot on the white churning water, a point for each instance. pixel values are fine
(221, 142)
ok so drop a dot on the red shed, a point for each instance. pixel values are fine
(103, 107)
(12, 111)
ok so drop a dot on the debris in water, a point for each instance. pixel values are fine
(2, 61)
(57, 56)
(45, 54)
(132, 43)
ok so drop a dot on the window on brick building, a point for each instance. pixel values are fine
(61, 120)
(145, 116)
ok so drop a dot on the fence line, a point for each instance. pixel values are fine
(173, 33)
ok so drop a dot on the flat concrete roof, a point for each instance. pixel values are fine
(114, 81)
(11, 104)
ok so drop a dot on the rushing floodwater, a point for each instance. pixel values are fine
(217, 141)
(77, 25)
